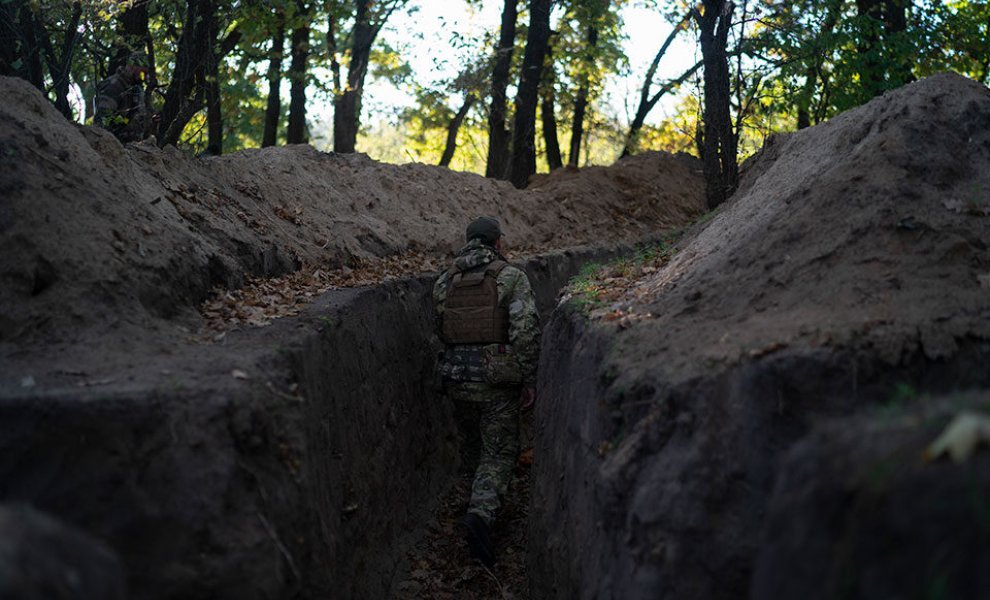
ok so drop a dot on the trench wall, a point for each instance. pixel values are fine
(653, 492)
(306, 479)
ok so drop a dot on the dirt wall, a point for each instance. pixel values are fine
(849, 273)
(96, 236)
(294, 459)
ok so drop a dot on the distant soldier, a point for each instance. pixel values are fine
(487, 318)
(120, 105)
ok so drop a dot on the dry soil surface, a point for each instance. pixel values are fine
(852, 269)
(151, 246)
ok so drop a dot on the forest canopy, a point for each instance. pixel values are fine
(528, 94)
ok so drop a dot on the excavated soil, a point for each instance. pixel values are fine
(150, 396)
(852, 268)
(95, 233)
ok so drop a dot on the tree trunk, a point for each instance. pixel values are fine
(453, 128)
(296, 131)
(8, 39)
(498, 135)
(804, 99)
(719, 156)
(645, 108)
(646, 102)
(805, 115)
(895, 20)
(581, 102)
(59, 60)
(273, 111)
(31, 68)
(522, 163)
(871, 74)
(347, 106)
(214, 116)
(184, 95)
(548, 114)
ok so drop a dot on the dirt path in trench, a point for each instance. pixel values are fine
(440, 566)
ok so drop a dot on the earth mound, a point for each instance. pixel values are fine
(851, 269)
(97, 234)
(294, 460)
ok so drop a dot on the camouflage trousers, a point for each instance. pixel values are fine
(488, 423)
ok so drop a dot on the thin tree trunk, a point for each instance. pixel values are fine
(332, 50)
(214, 115)
(548, 114)
(498, 135)
(550, 138)
(522, 163)
(8, 39)
(31, 67)
(581, 102)
(454, 128)
(646, 105)
(273, 112)
(296, 131)
(895, 21)
(347, 106)
(184, 96)
(871, 76)
(59, 60)
(719, 158)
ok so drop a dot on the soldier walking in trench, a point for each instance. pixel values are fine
(487, 318)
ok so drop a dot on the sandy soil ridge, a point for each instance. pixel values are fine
(96, 234)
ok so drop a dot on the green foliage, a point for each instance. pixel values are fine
(824, 56)
(795, 63)
(596, 284)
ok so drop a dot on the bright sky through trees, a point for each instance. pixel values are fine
(423, 35)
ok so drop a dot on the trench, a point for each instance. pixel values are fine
(383, 443)
(314, 472)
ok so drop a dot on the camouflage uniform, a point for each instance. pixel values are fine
(120, 107)
(480, 405)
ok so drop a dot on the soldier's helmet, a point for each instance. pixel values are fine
(487, 229)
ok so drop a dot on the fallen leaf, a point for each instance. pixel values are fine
(95, 382)
(239, 374)
(960, 438)
(767, 349)
(953, 204)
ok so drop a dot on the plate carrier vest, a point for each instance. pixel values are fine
(471, 312)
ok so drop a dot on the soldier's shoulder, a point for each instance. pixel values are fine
(513, 272)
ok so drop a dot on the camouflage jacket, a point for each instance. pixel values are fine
(120, 108)
(514, 292)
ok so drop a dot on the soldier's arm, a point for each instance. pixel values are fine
(524, 325)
